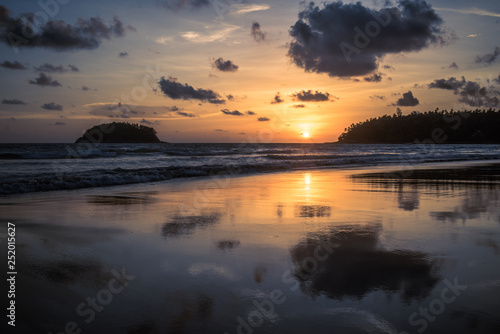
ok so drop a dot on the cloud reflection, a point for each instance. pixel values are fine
(185, 225)
(359, 265)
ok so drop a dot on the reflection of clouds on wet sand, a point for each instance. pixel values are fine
(119, 199)
(186, 313)
(259, 272)
(211, 270)
(479, 182)
(358, 266)
(53, 235)
(227, 245)
(408, 197)
(185, 225)
(196, 312)
(311, 211)
(489, 243)
(473, 205)
(67, 271)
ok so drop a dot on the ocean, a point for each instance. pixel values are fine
(29, 168)
(315, 238)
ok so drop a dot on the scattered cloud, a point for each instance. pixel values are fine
(309, 96)
(469, 92)
(173, 108)
(113, 110)
(454, 66)
(232, 113)
(180, 4)
(277, 99)
(15, 65)
(123, 54)
(472, 35)
(448, 84)
(224, 65)
(408, 100)
(49, 68)
(375, 77)
(263, 119)
(59, 123)
(472, 94)
(52, 106)
(230, 97)
(256, 32)
(210, 34)
(185, 114)
(219, 130)
(165, 40)
(474, 11)
(248, 8)
(489, 58)
(388, 67)
(174, 90)
(13, 101)
(299, 106)
(497, 80)
(144, 121)
(85, 88)
(251, 113)
(324, 41)
(378, 97)
(59, 35)
(44, 80)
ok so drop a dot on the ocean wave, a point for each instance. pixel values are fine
(46, 167)
(121, 176)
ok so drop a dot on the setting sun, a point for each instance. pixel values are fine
(306, 135)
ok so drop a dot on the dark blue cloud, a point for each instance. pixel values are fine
(345, 40)
(174, 90)
(59, 35)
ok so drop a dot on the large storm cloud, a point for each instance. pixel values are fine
(345, 40)
(28, 30)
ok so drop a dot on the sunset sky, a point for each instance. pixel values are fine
(239, 71)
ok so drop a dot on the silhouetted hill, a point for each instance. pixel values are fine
(439, 126)
(119, 133)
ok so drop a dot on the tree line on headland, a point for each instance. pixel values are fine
(438, 127)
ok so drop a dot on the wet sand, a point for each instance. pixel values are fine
(326, 251)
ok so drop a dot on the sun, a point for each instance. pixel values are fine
(306, 134)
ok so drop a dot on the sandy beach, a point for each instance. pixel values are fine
(322, 251)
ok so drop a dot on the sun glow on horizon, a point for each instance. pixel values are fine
(305, 134)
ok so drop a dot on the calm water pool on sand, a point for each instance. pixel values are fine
(297, 252)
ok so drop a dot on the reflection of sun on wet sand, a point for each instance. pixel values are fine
(201, 270)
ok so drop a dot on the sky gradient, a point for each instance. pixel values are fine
(239, 71)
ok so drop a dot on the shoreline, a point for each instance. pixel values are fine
(376, 169)
(217, 246)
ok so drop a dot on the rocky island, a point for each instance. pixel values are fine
(119, 132)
